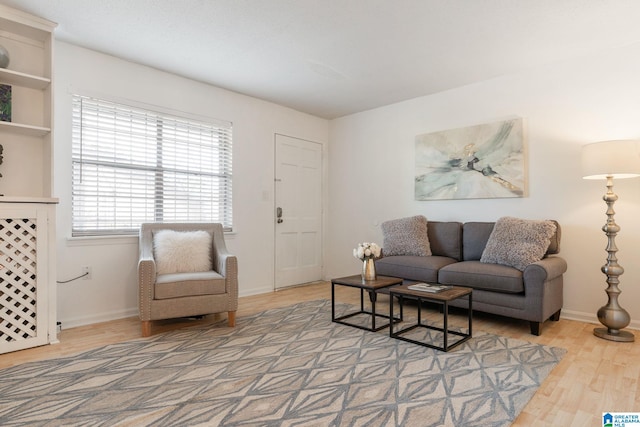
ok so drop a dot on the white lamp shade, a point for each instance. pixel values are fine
(618, 159)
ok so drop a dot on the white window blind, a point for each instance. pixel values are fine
(132, 166)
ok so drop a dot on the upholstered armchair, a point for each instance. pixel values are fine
(184, 270)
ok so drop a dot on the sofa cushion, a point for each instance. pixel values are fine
(178, 285)
(475, 236)
(445, 239)
(182, 251)
(420, 268)
(500, 303)
(406, 236)
(478, 275)
(518, 242)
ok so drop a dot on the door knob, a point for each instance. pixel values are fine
(279, 215)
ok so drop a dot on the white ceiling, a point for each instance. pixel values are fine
(331, 58)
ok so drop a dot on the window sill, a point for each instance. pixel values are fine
(118, 240)
(102, 240)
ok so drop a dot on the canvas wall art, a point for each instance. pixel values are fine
(475, 162)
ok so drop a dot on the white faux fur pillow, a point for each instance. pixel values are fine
(182, 251)
(518, 242)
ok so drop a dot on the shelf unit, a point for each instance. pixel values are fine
(27, 208)
(28, 138)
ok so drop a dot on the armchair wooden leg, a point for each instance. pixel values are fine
(231, 318)
(146, 328)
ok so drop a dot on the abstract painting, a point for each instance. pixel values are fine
(475, 162)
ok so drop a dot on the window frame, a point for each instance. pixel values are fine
(214, 179)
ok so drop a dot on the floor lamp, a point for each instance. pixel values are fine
(609, 160)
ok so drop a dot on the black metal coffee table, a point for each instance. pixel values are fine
(373, 287)
(443, 298)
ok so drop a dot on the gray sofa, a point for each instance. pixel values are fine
(534, 294)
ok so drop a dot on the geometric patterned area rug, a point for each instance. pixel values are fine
(283, 367)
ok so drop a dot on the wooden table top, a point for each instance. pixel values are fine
(449, 295)
(357, 282)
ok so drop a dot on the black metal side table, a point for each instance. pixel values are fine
(443, 298)
(373, 287)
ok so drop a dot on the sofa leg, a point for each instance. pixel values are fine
(535, 328)
(555, 316)
(146, 328)
(231, 318)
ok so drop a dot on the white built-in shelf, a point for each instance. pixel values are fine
(27, 138)
(22, 129)
(27, 181)
(22, 79)
(21, 199)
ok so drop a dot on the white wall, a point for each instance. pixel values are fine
(564, 106)
(371, 171)
(112, 291)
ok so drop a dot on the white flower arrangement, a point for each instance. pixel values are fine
(367, 250)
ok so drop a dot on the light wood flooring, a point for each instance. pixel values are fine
(595, 376)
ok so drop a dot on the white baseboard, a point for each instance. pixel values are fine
(579, 316)
(132, 312)
(98, 318)
(592, 318)
(256, 291)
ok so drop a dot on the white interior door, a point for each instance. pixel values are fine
(298, 198)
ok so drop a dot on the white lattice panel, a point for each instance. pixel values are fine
(27, 305)
(18, 284)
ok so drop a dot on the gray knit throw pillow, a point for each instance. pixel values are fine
(518, 242)
(406, 236)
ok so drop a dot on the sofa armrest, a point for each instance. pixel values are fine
(231, 276)
(226, 264)
(146, 274)
(146, 282)
(544, 270)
